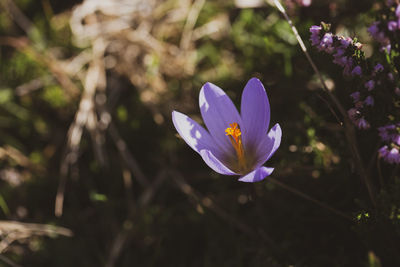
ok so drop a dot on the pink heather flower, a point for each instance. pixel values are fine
(356, 71)
(386, 48)
(393, 156)
(396, 139)
(383, 151)
(378, 67)
(384, 132)
(397, 12)
(353, 113)
(345, 41)
(373, 29)
(369, 101)
(389, 133)
(362, 124)
(389, 2)
(315, 39)
(378, 35)
(370, 85)
(326, 43)
(233, 144)
(305, 2)
(358, 45)
(392, 26)
(355, 96)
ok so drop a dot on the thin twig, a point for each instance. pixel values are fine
(220, 212)
(8, 261)
(191, 19)
(305, 196)
(18, 16)
(127, 156)
(348, 126)
(125, 234)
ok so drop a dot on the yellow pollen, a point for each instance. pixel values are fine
(235, 136)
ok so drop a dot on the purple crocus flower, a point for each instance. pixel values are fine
(235, 144)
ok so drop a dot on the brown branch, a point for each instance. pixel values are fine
(127, 156)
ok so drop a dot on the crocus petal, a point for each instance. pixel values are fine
(269, 145)
(193, 134)
(255, 113)
(215, 163)
(256, 175)
(218, 112)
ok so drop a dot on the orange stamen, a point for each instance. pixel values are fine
(235, 136)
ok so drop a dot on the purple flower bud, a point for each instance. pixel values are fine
(326, 43)
(369, 101)
(355, 96)
(315, 29)
(362, 124)
(387, 132)
(353, 113)
(389, 2)
(383, 151)
(392, 25)
(357, 71)
(393, 156)
(378, 67)
(370, 85)
(397, 12)
(396, 139)
(373, 29)
(346, 41)
(386, 48)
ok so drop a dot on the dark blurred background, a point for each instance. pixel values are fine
(89, 154)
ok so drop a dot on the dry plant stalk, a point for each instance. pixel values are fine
(348, 126)
(11, 231)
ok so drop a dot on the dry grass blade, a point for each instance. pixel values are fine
(11, 231)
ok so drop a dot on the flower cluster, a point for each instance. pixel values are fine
(390, 134)
(375, 86)
(346, 51)
(388, 25)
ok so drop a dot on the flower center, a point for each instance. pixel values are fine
(235, 136)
